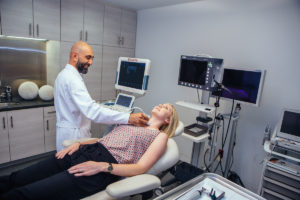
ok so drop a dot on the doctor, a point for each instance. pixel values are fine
(74, 106)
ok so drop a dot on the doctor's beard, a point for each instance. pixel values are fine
(80, 67)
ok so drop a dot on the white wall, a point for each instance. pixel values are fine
(260, 34)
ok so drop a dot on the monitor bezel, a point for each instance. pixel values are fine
(145, 79)
(260, 89)
(286, 135)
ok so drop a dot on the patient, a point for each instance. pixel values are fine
(85, 168)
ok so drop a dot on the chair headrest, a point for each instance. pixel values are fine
(179, 129)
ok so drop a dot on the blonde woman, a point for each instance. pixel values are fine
(85, 168)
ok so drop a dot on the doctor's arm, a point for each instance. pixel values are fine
(149, 158)
(93, 111)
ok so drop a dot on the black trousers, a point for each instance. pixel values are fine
(49, 179)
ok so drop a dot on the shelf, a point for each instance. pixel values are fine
(197, 106)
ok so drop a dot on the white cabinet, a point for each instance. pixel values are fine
(128, 28)
(31, 18)
(50, 128)
(119, 27)
(46, 19)
(26, 132)
(93, 21)
(16, 18)
(109, 68)
(82, 20)
(4, 142)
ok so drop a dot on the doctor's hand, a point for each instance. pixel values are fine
(88, 168)
(69, 150)
(138, 119)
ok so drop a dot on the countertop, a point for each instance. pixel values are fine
(18, 104)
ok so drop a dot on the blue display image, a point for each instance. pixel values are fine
(124, 101)
(132, 74)
(244, 85)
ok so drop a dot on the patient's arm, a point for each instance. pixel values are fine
(153, 153)
(72, 148)
(150, 157)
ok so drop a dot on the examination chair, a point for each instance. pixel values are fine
(139, 183)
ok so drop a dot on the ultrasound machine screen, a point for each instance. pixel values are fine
(132, 74)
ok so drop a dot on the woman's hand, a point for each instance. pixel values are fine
(69, 150)
(88, 168)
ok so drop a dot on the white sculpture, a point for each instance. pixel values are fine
(46, 92)
(28, 90)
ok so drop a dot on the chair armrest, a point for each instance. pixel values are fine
(67, 143)
(133, 185)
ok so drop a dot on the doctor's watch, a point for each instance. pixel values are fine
(110, 167)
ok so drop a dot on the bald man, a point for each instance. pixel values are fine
(75, 109)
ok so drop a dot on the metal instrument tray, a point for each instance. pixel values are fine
(189, 190)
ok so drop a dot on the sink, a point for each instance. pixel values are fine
(8, 104)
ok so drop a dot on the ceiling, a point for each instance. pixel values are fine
(145, 4)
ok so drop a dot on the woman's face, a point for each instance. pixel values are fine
(163, 112)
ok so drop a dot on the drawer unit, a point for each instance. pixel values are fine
(283, 177)
(279, 183)
(269, 194)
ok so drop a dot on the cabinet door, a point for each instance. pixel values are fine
(4, 143)
(26, 132)
(112, 26)
(125, 52)
(50, 128)
(17, 18)
(47, 19)
(109, 69)
(71, 20)
(93, 21)
(128, 28)
(93, 78)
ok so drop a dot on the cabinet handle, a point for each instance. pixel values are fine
(86, 36)
(37, 30)
(51, 112)
(122, 41)
(3, 122)
(47, 125)
(11, 122)
(119, 40)
(80, 36)
(30, 33)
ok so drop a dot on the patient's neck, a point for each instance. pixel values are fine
(154, 123)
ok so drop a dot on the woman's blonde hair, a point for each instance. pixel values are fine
(170, 128)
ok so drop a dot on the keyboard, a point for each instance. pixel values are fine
(120, 109)
(196, 106)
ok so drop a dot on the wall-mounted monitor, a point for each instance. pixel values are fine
(245, 85)
(132, 75)
(198, 72)
(289, 125)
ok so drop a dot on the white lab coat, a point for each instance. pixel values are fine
(75, 108)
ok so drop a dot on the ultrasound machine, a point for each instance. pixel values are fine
(285, 139)
(131, 80)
